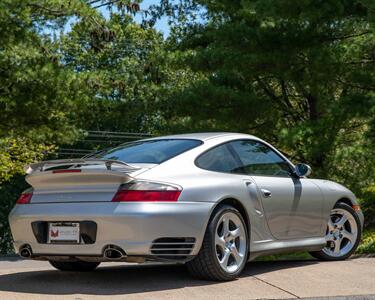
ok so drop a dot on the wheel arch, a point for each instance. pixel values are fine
(237, 205)
(352, 202)
(231, 201)
(345, 200)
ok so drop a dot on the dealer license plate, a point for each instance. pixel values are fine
(63, 232)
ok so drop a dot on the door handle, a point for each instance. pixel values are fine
(266, 193)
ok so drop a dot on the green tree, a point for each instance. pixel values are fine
(125, 69)
(38, 96)
(298, 73)
(65, 67)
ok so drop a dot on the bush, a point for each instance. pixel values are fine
(368, 242)
(9, 192)
(15, 153)
(367, 202)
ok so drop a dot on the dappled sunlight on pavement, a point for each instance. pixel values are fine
(283, 279)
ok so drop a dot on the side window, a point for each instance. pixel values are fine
(218, 159)
(259, 159)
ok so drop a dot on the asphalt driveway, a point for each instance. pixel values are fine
(261, 280)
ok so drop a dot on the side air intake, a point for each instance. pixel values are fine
(172, 248)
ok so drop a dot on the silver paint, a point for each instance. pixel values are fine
(284, 213)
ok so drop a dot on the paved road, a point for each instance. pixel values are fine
(261, 280)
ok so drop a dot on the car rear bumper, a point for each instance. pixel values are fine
(131, 226)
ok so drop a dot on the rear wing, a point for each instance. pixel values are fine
(76, 163)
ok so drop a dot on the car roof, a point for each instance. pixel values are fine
(203, 136)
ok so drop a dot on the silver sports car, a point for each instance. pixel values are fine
(211, 200)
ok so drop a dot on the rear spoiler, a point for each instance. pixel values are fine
(75, 163)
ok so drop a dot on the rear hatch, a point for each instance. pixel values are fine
(78, 180)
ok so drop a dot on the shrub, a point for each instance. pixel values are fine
(367, 202)
(368, 242)
(9, 192)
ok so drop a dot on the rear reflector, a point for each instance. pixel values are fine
(356, 207)
(24, 198)
(146, 196)
(67, 171)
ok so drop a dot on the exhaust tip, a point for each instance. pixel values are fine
(25, 251)
(112, 252)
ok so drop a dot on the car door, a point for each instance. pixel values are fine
(292, 206)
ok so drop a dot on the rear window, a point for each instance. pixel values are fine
(151, 151)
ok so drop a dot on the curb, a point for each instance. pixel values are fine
(10, 257)
(354, 256)
(365, 255)
(14, 257)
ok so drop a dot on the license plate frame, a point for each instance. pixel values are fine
(64, 233)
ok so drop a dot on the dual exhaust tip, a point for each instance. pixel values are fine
(111, 252)
(25, 251)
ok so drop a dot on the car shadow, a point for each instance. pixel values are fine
(122, 280)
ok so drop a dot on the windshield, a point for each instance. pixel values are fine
(151, 151)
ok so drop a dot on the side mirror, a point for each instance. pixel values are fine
(302, 170)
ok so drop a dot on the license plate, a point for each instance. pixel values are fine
(63, 233)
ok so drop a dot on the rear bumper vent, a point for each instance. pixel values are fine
(173, 248)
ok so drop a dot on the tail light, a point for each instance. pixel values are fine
(25, 198)
(145, 191)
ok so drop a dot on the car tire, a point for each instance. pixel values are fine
(352, 225)
(74, 266)
(213, 261)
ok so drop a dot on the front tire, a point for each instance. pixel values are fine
(343, 234)
(225, 247)
(74, 266)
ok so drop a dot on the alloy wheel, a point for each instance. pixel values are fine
(230, 242)
(342, 232)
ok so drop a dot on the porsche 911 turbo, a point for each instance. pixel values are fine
(213, 201)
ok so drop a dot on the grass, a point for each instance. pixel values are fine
(367, 246)
(368, 242)
(286, 256)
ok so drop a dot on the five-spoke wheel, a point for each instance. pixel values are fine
(225, 247)
(230, 242)
(342, 235)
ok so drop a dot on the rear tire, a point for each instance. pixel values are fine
(343, 234)
(74, 266)
(225, 247)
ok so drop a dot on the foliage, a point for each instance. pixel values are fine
(368, 242)
(286, 256)
(38, 95)
(15, 153)
(298, 73)
(367, 203)
(126, 72)
(352, 160)
(102, 74)
(9, 193)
